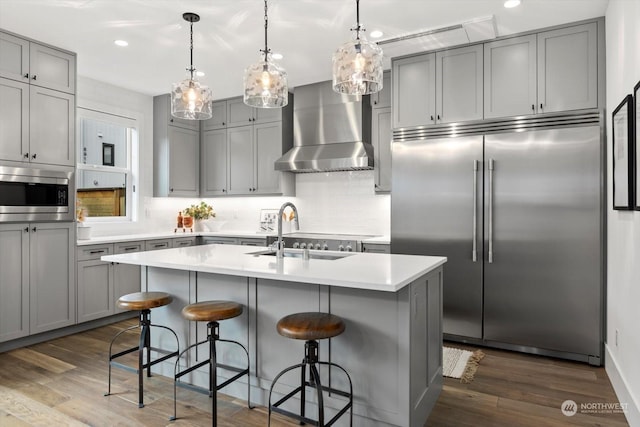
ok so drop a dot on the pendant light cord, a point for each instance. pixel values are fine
(266, 24)
(191, 69)
(357, 29)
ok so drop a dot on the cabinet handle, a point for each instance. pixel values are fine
(132, 248)
(33, 156)
(171, 190)
(541, 107)
(26, 155)
(249, 118)
(34, 77)
(533, 108)
(26, 229)
(223, 123)
(432, 119)
(159, 245)
(224, 190)
(375, 102)
(34, 229)
(101, 251)
(26, 76)
(438, 116)
(171, 120)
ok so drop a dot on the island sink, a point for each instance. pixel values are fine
(289, 253)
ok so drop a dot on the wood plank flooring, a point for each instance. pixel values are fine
(61, 383)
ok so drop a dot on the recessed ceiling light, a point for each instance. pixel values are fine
(376, 34)
(277, 56)
(200, 73)
(511, 3)
(121, 43)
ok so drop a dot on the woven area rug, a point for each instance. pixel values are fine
(460, 364)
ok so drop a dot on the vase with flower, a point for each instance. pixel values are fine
(198, 213)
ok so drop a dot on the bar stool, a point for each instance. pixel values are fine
(144, 302)
(311, 327)
(211, 312)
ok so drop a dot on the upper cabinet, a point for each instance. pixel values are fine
(37, 105)
(240, 114)
(547, 72)
(441, 87)
(218, 118)
(37, 64)
(176, 152)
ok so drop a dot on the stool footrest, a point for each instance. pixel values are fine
(296, 416)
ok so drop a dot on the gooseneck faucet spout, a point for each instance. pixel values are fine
(280, 242)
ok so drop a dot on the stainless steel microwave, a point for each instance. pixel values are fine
(32, 194)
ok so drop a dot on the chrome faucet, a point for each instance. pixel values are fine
(280, 242)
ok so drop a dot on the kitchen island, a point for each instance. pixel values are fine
(391, 304)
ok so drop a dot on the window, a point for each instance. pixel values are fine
(106, 173)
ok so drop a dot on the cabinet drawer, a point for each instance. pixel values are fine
(184, 241)
(252, 242)
(128, 247)
(154, 245)
(94, 251)
(219, 241)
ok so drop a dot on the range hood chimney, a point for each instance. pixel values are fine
(331, 131)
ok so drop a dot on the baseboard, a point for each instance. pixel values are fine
(621, 389)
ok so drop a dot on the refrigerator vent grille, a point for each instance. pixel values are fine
(502, 125)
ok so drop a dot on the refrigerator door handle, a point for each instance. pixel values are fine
(474, 250)
(491, 167)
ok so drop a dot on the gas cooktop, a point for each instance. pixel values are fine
(324, 241)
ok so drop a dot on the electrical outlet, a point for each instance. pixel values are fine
(616, 337)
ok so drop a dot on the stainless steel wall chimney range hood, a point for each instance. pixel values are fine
(331, 132)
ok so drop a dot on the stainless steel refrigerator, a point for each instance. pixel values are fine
(517, 208)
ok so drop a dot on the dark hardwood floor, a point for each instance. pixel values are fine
(61, 383)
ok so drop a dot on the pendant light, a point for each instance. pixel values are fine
(189, 99)
(357, 64)
(265, 82)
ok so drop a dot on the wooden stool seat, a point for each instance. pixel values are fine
(144, 300)
(211, 311)
(310, 326)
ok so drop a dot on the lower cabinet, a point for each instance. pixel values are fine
(215, 240)
(126, 277)
(37, 291)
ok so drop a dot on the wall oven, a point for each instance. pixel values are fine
(32, 194)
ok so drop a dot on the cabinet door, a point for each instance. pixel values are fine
(182, 242)
(568, 68)
(219, 116)
(95, 290)
(252, 242)
(126, 277)
(209, 240)
(51, 127)
(14, 57)
(267, 115)
(52, 276)
(267, 149)
(174, 121)
(240, 172)
(14, 120)
(382, 99)
(510, 77)
(14, 281)
(214, 163)
(52, 68)
(381, 140)
(154, 245)
(459, 84)
(183, 162)
(414, 83)
(239, 113)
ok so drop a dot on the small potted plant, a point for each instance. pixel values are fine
(199, 213)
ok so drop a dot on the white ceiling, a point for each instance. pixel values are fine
(230, 32)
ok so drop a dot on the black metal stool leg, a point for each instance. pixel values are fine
(111, 357)
(213, 371)
(318, 385)
(141, 348)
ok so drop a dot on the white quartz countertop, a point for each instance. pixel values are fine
(380, 272)
(168, 235)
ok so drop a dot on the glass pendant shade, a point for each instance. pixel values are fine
(357, 66)
(265, 84)
(191, 100)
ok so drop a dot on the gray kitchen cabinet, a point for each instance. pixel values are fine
(551, 71)
(218, 118)
(240, 114)
(156, 244)
(14, 120)
(37, 64)
(182, 242)
(214, 163)
(51, 276)
(381, 139)
(568, 68)
(126, 277)
(240, 149)
(382, 99)
(252, 241)
(218, 240)
(51, 127)
(14, 281)
(414, 91)
(95, 282)
(376, 248)
(176, 153)
(441, 87)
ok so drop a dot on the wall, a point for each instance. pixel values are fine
(623, 277)
(336, 202)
